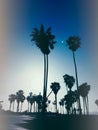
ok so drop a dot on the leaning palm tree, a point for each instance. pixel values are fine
(44, 40)
(83, 91)
(73, 43)
(55, 88)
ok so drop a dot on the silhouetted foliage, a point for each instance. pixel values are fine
(20, 99)
(12, 98)
(69, 80)
(83, 92)
(55, 88)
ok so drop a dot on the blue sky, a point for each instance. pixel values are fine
(24, 62)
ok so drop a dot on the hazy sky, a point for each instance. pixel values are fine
(23, 63)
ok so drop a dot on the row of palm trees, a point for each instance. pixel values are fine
(44, 40)
(33, 100)
(68, 102)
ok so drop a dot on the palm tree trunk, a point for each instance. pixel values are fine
(17, 106)
(30, 107)
(87, 105)
(13, 105)
(46, 72)
(56, 101)
(44, 88)
(10, 106)
(21, 107)
(79, 104)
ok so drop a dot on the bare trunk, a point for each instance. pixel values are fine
(10, 106)
(79, 104)
(56, 102)
(45, 82)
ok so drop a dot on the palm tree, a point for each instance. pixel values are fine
(19, 98)
(69, 80)
(44, 40)
(28, 100)
(12, 98)
(22, 100)
(61, 103)
(83, 91)
(55, 88)
(39, 102)
(73, 43)
(96, 102)
(70, 99)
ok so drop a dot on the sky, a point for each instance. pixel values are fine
(21, 64)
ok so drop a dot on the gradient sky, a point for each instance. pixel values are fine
(23, 63)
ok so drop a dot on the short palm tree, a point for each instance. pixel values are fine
(39, 102)
(19, 97)
(69, 80)
(61, 103)
(22, 100)
(55, 88)
(12, 98)
(73, 43)
(44, 40)
(83, 91)
(96, 102)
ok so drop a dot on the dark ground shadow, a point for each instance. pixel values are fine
(62, 122)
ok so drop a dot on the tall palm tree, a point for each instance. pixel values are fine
(73, 43)
(83, 91)
(69, 80)
(12, 98)
(44, 40)
(55, 88)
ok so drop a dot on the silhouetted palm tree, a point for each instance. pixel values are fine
(22, 100)
(19, 98)
(61, 103)
(12, 98)
(73, 43)
(69, 80)
(44, 40)
(30, 100)
(55, 88)
(96, 102)
(83, 91)
(70, 99)
(1, 105)
(39, 102)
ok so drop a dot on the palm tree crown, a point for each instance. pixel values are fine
(73, 42)
(44, 39)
